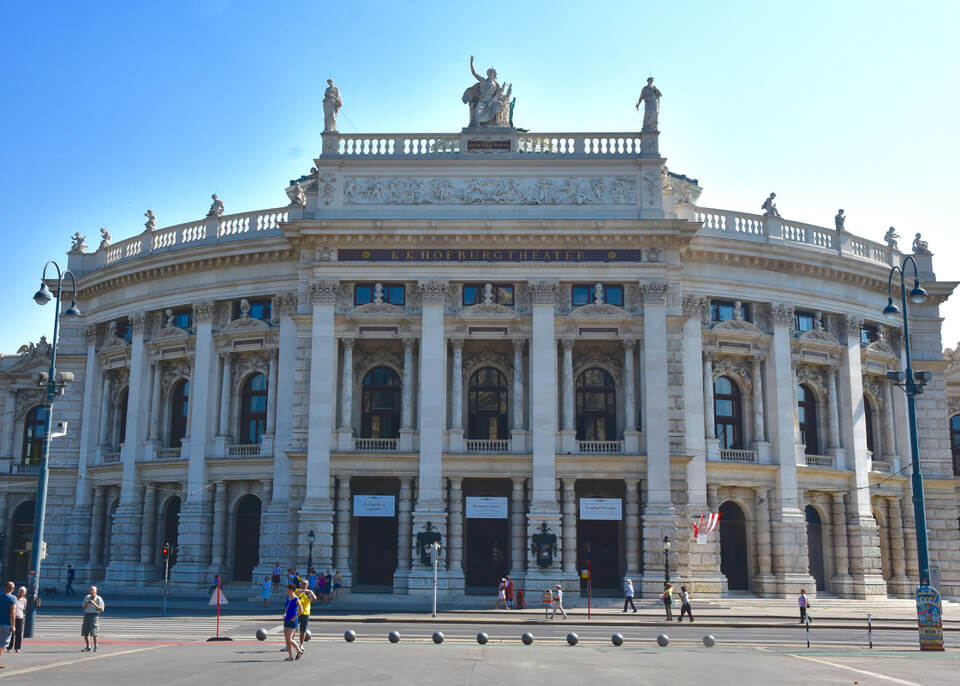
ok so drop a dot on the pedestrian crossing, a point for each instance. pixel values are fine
(58, 628)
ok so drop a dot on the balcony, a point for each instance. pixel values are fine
(488, 446)
(111, 458)
(245, 450)
(167, 454)
(880, 467)
(376, 445)
(819, 460)
(743, 456)
(20, 468)
(599, 447)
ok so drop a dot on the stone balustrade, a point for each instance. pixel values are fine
(168, 453)
(244, 450)
(111, 458)
(20, 468)
(605, 447)
(819, 460)
(376, 445)
(488, 445)
(747, 456)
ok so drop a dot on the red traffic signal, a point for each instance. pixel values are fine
(165, 551)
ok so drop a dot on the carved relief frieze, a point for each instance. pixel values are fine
(171, 372)
(739, 367)
(324, 292)
(246, 363)
(488, 311)
(326, 188)
(481, 190)
(364, 362)
(599, 311)
(588, 356)
(633, 298)
(27, 399)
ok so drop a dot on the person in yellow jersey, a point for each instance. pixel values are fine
(306, 596)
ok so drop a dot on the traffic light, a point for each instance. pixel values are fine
(165, 552)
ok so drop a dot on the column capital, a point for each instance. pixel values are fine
(518, 342)
(850, 326)
(324, 292)
(456, 482)
(433, 292)
(204, 311)
(90, 334)
(654, 292)
(629, 343)
(409, 341)
(544, 292)
(457, 342)
(782, 314)
(285, 304)
(694, 306)
(567, 344)
(138, 321)
(348, 342)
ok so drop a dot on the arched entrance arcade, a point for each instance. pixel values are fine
(246, 550)
(734, 558)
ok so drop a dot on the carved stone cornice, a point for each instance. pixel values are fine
(138, 322)
(433, 292)
(544, 292)
(782, 314)
(284, 305)
(324, 292)
(654, 292)
(694, 306)
(204, 311)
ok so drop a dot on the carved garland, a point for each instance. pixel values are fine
(365, 363)
(324, 292)
(171, 372)
(488, 358)
(244, 364)
(589, 358)
(726, 365)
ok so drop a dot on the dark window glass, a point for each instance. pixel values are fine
(487, 405)
(868, 333)
(728, 413)
(804, 321)
(955, 442)
(260, 309)
(122, 416)
(380, 404)
(868, 416)
(125, 329)
(723, 310)
(394, 295)
(473, 294)
(582, 295)
(596, 406)
(365, 293)
(179, 411)
(183, 319)
(34, 432)
(613, 295)
(253, 409)
(362, 295)
(807, 418)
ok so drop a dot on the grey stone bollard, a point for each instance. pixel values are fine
(572, 638)
(527, 638)
(349, 635)
(393, 637)
(663, 640)
(709, 641)
(438, 637)
(482, 638)
(617, 639)
(261, 635)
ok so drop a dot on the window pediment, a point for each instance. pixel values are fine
(377, 312)
(168, 334)
(819, 337)
(246, 323)
(114, 345)
(599, 312)
(487, 312)
(740, 328)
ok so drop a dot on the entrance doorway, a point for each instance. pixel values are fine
(487, 553)
(171, 527)
(815, 547)
(733, 547)
(21, 535)
(376, 558)
(246, 550)
(601, 539)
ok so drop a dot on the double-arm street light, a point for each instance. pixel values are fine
(53, 384)
(912, 384)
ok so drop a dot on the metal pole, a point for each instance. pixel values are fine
(806, 618)
(436, 555)
(166, 580)
(869, 631)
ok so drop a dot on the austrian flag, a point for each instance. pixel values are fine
(704, 528)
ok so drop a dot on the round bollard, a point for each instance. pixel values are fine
(349, 635)
(307, 635)
(438, 637)
(617, 639)
(527, 638)
(393, 637)
(482, 638)
(261, 635)
(709, 641)
(663, 640)
(572, 638)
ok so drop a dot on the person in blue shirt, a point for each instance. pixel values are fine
(71, 573)
(291, 611)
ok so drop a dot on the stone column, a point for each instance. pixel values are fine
(889, 424)
(632, 527)
(517, 538)
(898, 568)
(568, 433)
(695, 415)
(841, 568)
(219, 525)
(404, 538)
(272, 394)
(865, 560)
(104, 439)
(758, 430)
(569, 527)
(95, 555)
(456, 396)
(345, 431)
(517, 433)
(225, 388)
(147, 540)
(708, 418)
(10, 420)
(455, 532)
(155, 404)
(341, 551)
(631, 439)
(763, 537)
(79, 518)
(406, 397)
(833, 416)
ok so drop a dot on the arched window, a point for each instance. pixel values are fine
(868, 416)
(380, 404)
(122, 416)
(253, 409)
(34, 432)
(596, 406)
(955, 442)
(179, 411)
(487, 405)
(807, 418)
(728, 413)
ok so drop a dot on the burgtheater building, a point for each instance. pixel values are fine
(536, 348)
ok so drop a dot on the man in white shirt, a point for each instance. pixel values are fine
(558, 602)
(93, 605)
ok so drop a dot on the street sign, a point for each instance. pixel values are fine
(929, 618)
(213, 598)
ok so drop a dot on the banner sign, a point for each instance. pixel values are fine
(601, 508)
(486, 508)
(929, 618)
(373, 506)
(495, 255)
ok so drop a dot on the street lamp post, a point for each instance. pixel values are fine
(912, 384)
(311, 538)
(53, 385)
(666, 560)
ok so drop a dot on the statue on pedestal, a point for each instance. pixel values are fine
(891, 237)
(332, 102)
(489, 101)
(104, 239)
(298, 197)
(920, 246)
(769, 207)
(216, 208)
(650, 97)
(151, 222)
(80, 245)
(839, 220)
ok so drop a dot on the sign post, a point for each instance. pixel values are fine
(216, 599)
(929, 618)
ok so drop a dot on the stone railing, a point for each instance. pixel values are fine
(167, 454)
(20, 468)
(475, 445)
(446, 144)
(600, 446)
(111, 458)
(244, 450)
(819, 460)
(755, 227)
(376, 445)
(729, 455)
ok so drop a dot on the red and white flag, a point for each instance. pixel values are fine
(702, 528)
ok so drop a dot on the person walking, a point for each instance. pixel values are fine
(16, 638)
(558, 602)
(628, 595)
(547, 603)
(275, 579)
(8, 616)
(667, 599)
(306, 596)
(804, 604)
(685, 604)
(71, 574)
(265, 591)
(93, 606)
(508, 591)
(291, 611)
(501, 595)
(337, 584)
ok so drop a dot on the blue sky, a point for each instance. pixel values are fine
(111, 108)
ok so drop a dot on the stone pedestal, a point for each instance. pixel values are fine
(124, 545)
(344, 438)
(518, 441)
(406, 440)
(631, 442)
(865, 567)
(316, 516)
(420, 576)
(193, 546)
(658, 521)
(274, 530)
(455, 442)
(713, 450)
(568, 442)
(539, 578)
(790, 561)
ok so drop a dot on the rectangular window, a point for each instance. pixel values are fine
(260, 308)
(365, 293)
(501, 294)
(183, 319)
(125, 329)
(868, 334)
(803, 321)
(723, 310)
(583, 294)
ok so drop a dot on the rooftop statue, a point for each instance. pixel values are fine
(769, 207)
(920, 247)
(332, 102)
(839, 220)
(298, 197)
(80, 245)
(489, 101)
(151, 222)
(891, 237)
(650, 97)
(104, 239)
(216, 208)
